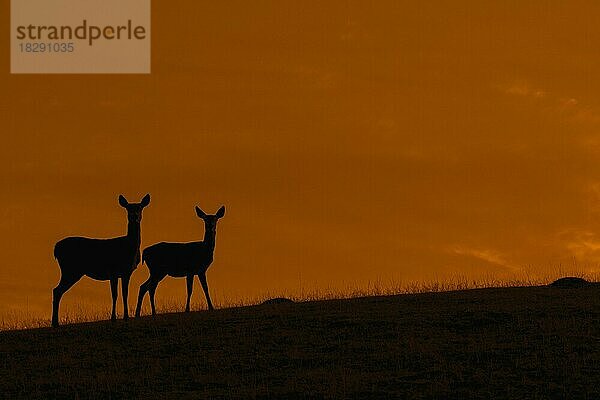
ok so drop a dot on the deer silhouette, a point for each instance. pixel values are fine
(101, 259)
(181, 260)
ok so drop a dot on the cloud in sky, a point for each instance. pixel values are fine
(523, 89)
(488, 255)
(570, 107)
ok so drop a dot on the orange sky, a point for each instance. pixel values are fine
(350, 142)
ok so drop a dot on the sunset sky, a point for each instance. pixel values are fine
(350, 141)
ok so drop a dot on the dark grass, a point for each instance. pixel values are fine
(534, 343)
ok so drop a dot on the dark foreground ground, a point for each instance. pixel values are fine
(491, 343)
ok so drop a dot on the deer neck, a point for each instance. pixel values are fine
(134, 233)
(209, 240)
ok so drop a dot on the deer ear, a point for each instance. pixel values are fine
(145, 200)
(221, 212)
(123, 201)
(200, 213)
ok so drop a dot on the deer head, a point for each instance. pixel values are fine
(210, 221)
(134, 210)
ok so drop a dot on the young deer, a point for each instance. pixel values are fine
(101, 259)
(179, 260)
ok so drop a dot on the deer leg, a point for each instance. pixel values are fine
(143, 290)
(152, 289)
(65, 284)
(125, 292)
(204, 284)
(153, 284)
(190, 286)
(114, 283)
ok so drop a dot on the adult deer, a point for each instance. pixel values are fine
(181, 260)
(101, 259)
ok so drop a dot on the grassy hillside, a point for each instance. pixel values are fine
(490, 343)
